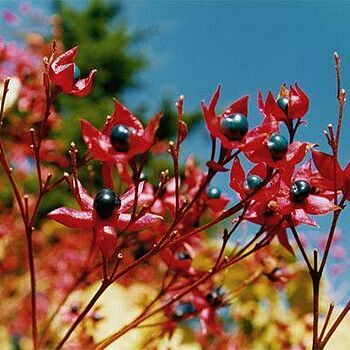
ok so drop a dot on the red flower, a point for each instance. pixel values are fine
(291, 155)
(231, 127)
(194, 177)
(179, 260)
(216, 205)
(292, 104)
(64, 73)
(122, 138)
(327, 167)
(292, 195)
(201, 305)
(297, 194)
(266, 213)
(103, 223)
(245, 184)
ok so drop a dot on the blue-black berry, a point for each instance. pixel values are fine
(234, 126)
(120, 136)
(105, 202)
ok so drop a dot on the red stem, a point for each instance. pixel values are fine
(81, 316)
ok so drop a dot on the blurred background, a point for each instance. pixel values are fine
(147, 53)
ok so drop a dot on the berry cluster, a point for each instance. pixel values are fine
(165, 232)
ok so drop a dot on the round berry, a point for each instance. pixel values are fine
(74, 308)
(214, 193)
(183, 255)
(283, 103)
(277, 145)
(300, 190)
(143, 176)
(76, 72)
(215, 297)
(252, 182)
(184, 309)
(120, 138)
(234, 126)
(268, 212)
(105, 202)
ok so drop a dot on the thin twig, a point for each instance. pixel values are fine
(335, 325)
(300, 245)
(326, 321)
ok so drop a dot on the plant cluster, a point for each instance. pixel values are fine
(174, 234)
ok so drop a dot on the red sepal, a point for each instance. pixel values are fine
(72, 218)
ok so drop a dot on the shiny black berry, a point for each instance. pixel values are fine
(283, 103)
(215, 297)
(214, 193)
(105, 202)
(252, 182)
(183, 255)
(183, 310)
(120, 138)
(76, 72)
(143, 176)
(234, 126)
(74, 308)
(277, 145)
(300, 190)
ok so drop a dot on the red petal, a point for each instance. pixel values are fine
(209, 322)
(152, 127)
(325, 165)
(300, 217)
(317, 205)
(285, 206)
(61, 70)
(107, 174)
(173, 262)
(66, 58)
(144, 221)
(123, 173)
(85, 201)
(261, 105)
(298, 104)
(259, 169)
(83, 86)
(63, 77)
(123, 116)
(216, 166)
(346, 179)
(239, 106)
(304, 172)
(347, 171)
(283, 239)
(237, 177)
(214, 99)
(218, 204)
(296, 152)
(272, 109)
(127, 199)
(106, 240)
(211, 120)
(98, 144)
(72, 218)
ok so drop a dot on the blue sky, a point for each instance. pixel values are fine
(245, 46)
